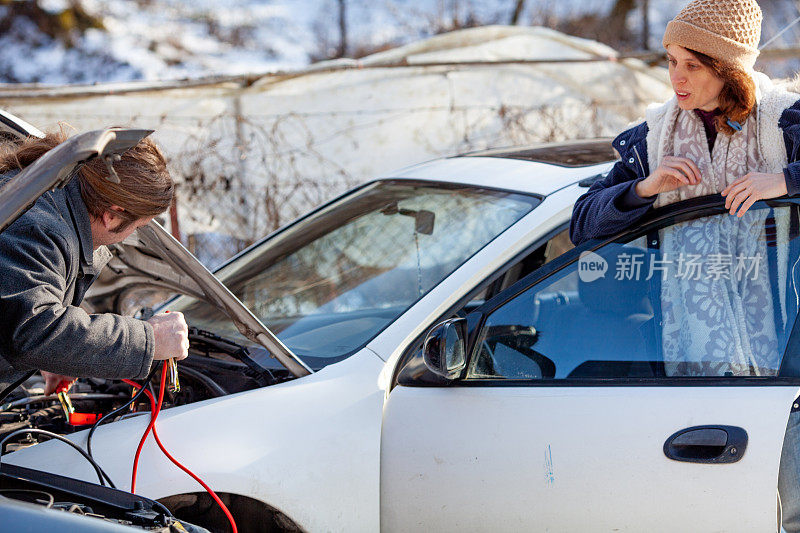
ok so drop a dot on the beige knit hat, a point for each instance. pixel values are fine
(728, 30)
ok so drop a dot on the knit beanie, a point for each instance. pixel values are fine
(728, 30)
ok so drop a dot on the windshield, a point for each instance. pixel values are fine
(328, 284)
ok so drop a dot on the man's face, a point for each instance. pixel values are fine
(120, 235)
(106, 229)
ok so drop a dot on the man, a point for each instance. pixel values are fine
(51, 255)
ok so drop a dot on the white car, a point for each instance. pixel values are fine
(453, 364)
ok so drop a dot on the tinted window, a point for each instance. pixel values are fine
(717, 297)
(569, 154)
(552, 249)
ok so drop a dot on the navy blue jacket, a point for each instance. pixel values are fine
(611, 205)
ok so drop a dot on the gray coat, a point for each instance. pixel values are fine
(46, 266)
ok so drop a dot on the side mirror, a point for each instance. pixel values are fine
(445, 347)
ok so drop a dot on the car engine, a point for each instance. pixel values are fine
(24, 488)
(215, 367)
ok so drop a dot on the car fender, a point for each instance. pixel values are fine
(308, 447)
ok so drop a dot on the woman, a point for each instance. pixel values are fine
(711, 46)
(728, 130)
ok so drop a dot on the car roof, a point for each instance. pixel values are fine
(539, 169)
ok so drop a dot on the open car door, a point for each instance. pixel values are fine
(637, 384)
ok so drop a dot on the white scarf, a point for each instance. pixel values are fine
(715, 325)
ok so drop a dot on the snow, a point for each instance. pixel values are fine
(174, 39)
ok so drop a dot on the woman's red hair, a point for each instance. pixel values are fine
(738, 96)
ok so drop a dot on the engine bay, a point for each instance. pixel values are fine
(215, 367)
(59, 493)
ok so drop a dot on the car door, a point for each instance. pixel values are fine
(637, 384)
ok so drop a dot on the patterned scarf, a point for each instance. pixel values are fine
(717, 317)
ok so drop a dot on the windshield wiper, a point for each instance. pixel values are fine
(256, 362)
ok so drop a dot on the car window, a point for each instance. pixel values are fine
(330, 283)
(715, 296)
(553, 248)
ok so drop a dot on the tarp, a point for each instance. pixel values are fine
(252, 152)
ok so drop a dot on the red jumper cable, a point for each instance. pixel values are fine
(155, 409)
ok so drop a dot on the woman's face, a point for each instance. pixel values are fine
(696, 85)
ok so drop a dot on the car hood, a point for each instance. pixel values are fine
(151, 259)
(58, 166)
(13, 127)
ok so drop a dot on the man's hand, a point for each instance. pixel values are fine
(51, 381)
(171, 336)
(747, 190)
(673, 172)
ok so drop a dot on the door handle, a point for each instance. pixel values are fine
(707, 444)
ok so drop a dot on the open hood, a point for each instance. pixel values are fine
(151, 258)
(58, 166)
(13, 127)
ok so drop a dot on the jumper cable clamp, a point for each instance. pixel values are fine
(173, 385)
(66, 403)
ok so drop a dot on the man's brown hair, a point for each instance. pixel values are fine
(738, 96)
(145, 188)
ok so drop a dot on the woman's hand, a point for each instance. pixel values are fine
(673, 172)
(750, 188)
